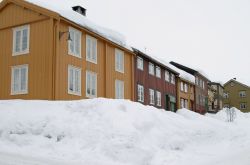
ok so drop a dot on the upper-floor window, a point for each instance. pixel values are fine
(185, 88)
(119, 60)
(242, 93)
(182, 86)
(200, 83)
(119, 89)
(167, 77)
(140, 63)
(91, 84)
(91, 49)
(19, 80)
(158, 72)
(158, 98)
(172, 78)
(203, 84)
(74, 46)
(196, 80)
(243, 105)
(226, 95)
(151, 69)
(140, 93)
(74, 80)
(151, 97)
(21, 39)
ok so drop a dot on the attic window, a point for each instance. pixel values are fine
(80, 10)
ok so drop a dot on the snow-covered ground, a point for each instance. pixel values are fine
(118, 132)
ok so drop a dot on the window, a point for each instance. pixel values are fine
(182, 86)
(200, 83)
(119, 89)
(74, 80)
(74, 45)
(182, 103)
(119, 60)
(140, 63)
(158, 98)
(242, 94)
(140, 93)
(232, 84)
(196, 80)
(186, 104)
(172, 79)
(185, 88)
(91, 84)
(151, 69)
(158, 72)
(151, 96)
(203, 84)
(226, 95)
(21, 39)
(226, 106)
(167, 76)
(243, 106)
(19, 80)
(91, 49)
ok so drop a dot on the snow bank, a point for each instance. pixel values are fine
(115, 132)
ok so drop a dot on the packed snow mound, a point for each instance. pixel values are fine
(116, 132)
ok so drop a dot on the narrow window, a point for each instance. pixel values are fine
(158, 98)
(74, 80)
(158, 72)
(151, 69)
(21, 39)
(140, 63)
(119, 89)
(19, 80)
(91, 84)
(91, 49)
(182, 87)
(243, 106)
(186, 88)
(74, 46)
(182, 103)
(151, 96)
(119, 60)
(226, 95)
(140, 93)
(167, 78)
(172, 79)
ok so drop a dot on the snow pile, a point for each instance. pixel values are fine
(64, 8)
(116, 132)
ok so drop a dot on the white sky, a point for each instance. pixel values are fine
(208, 35)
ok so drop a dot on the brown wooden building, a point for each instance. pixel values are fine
(46, 54)
(155, 83)
(201, 88)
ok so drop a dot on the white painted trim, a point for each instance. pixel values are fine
(20, 28)
(75, 31)
(80, 81)
(12, 79)
(95, 40)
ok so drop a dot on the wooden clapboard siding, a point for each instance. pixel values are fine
(39, 56)
(48, 58)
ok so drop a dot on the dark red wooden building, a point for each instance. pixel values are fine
(155, 82)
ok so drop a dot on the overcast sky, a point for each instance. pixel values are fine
(210, 35)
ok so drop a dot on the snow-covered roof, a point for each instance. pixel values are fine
(184, 75)
(64, 9)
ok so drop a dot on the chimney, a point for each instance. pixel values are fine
(80, 10)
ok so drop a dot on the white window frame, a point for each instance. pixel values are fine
(15, 30)
(158, 98)
(226, 95)
(158, 71)
(151, 69)
(140, 93)
(92, 57)
(151, 97)
(172, 78)
(73, 32)
(119, 93)
(167, 76)
(182, 86)
(119, 60)
(19, 91)
(92, 86)
(242, 94)
(74, 92)
(139, 63)
(185, 87)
